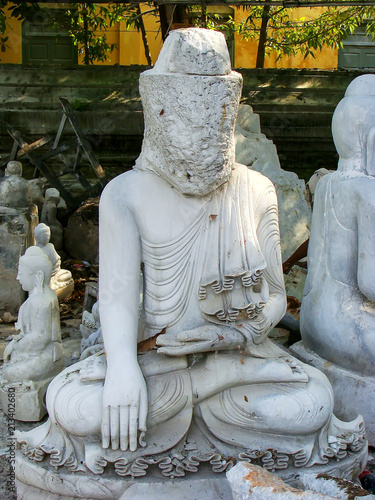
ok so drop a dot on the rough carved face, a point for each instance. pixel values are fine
(26, 277)
(34, 266)
(189, 128)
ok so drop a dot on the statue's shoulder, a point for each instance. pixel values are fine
(49, 247)
(124, 189)
(254, 178)
(40, 301)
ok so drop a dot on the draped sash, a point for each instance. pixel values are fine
(217, 257)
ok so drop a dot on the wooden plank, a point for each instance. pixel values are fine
(42, 167)
(60, 149)
(14, 151)
(85, 183)
(86, 146)
(60, 131)
(77, 159)
(20, 152)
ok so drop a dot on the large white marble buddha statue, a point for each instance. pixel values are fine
(338, 308)
(205, 232)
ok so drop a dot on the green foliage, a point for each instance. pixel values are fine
(17, 9)
(21, 10)
(83, 22)
(86, 23)
(283, 34)
(286, 35)
(133, 17)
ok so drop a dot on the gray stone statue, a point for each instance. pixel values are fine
(49, 217)
(18, 218)
(14, 189)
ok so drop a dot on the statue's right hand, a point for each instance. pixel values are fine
(124, 408)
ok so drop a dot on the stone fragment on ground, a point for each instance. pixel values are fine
(337, 487)
(294, 285)
(251, 482)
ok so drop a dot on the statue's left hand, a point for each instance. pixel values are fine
(203, 339)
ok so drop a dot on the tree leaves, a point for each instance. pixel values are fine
(289, 35)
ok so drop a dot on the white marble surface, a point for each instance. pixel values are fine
(338, 311)
(352, 391)
(205, 232)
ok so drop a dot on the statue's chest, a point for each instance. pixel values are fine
(163, 226)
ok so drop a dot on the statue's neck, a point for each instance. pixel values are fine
(179, 177)
(351, 166)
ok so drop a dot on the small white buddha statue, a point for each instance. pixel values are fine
(61, 280)
(49, 217)
(34, 355)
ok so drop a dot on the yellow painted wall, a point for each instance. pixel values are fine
(113, 36)
(131, 44)
(13, 53)
(131, 51)
(246, 51)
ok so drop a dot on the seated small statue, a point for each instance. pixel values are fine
(49, 217)
(204, 230)
(34, 355)
(338, 308)
(61, 280)
(14, 189)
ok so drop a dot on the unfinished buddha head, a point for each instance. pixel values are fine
(190, 100)
(42, 234)
(53, 195)
(14, 168)
(34, 269)
(353, 126)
